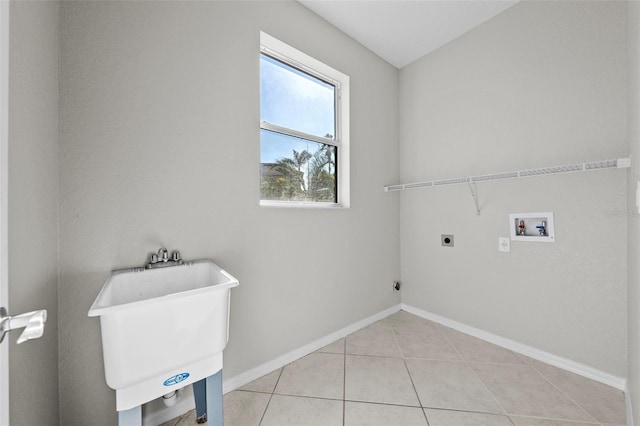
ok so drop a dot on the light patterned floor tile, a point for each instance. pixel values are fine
(475, 350)
(265, 383)
(425, 344)
(528, 421)
(365, 414)
(300, 411)
(317, 375)
(242, 408)
(603, 402)
(403, 362)
(377, 379)
(450, 385)
(373, 340)
(464, 418)
(522, 391)
(336, 347)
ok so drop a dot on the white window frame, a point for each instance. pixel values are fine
(275, 48)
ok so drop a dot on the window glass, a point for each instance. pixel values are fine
(296, 169)
(294, 99)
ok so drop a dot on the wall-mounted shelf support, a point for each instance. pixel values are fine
(474, 194)
(620, 163)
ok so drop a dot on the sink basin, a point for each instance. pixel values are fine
(163, 328)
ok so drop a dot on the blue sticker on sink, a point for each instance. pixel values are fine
(174, 380)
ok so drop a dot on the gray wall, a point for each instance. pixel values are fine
(541, 84)
(33, 206)
(159, 145)
(633, 234)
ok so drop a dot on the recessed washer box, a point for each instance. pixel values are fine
(535, 227)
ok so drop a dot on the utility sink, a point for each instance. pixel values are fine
(162, 329)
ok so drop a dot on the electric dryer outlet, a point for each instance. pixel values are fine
(446, 240)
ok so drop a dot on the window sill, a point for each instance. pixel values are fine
(301, 205)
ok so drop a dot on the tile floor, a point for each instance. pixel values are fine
(406, 371)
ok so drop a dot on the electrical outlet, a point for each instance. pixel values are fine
(446, 240)
(504, 245)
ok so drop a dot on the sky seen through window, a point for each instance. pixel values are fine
(296, 100)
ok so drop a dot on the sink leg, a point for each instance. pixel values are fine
(131, 417)
(208, 396)
(214, 399)
(200, 396)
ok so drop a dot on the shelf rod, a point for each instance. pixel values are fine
(619, 163)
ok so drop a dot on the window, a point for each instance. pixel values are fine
(304, 132)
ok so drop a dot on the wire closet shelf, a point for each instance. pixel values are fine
(619, 163)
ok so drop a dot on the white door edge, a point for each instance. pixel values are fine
(4, 142)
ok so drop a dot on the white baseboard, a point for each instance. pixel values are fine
(259, 371)
(163, 414)
(546, 357)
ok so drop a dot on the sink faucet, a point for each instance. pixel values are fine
(162, 259)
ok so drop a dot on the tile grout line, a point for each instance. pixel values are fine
(271, 397)
(389, 404)
(323, 398)
(564, 421)
(504, 411)
(395, 338)
(526, 362)
(404, 361)
(562, 393)
(495, 399)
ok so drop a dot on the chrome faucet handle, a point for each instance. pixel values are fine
(162, 259)
(163, 254)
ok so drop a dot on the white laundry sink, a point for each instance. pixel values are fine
(163, 328)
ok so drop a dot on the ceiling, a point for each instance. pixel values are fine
(401, 31)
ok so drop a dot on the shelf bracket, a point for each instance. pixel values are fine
(474, 194)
